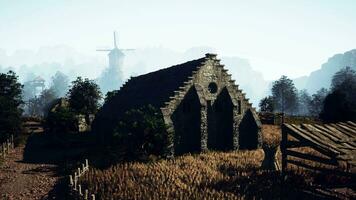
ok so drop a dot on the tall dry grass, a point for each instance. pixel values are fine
(211, 175)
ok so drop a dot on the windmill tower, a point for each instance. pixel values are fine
(112, 77)
(116, 55)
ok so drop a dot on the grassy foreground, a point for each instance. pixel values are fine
(187, 177)
(211, 175)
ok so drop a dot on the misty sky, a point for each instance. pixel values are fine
(278, 37)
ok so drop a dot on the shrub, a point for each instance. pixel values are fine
(62, 120)
(140, 133)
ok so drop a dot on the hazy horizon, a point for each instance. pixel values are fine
(277, 38)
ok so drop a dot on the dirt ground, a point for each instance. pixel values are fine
(21, 181)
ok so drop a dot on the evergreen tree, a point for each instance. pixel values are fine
(285, 95)
(340, 104)
(267, 104)
(317, 102)
(304, 100)
(10, 105)
(60, 84)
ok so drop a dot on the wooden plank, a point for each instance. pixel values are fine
(325, 137)
(332, 128)
(322, 149)
(347, 128)
(351, 123)
(314, 129)
(328, 161)
(341, 130)
(307, 166)
(346, 157)
(348, 143)
(311, 136)
(335, 134)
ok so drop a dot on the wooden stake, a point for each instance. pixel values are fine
(12, 141)
(71, 180)
(80, 190)
(86, 194)
(75, 184)
(87, 164)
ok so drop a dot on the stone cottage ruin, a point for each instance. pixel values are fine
(199, 101)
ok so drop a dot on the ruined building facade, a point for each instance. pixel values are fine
(202, 106)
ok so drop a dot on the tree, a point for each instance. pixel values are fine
(337, 108)
(317, 102)
(340, 104)
(38, 106)
(109, 95)
(267, 104)
(285, 95)
(46, 99)
(84, 96)
(60, 84)
(304, 100)
(344, 79)
(10, 105)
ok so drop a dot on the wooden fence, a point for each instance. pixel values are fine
(271, 118)
(334, 144)
(76, 187)
(6, 146)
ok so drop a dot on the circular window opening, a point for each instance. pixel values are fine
(213, 88)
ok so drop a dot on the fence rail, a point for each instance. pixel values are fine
(76, 187)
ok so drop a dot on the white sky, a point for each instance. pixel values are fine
(278, 37)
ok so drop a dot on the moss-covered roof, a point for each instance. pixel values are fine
(153, 88)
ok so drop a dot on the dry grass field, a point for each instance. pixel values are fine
(211, 175)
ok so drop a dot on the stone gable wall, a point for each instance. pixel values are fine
(212, 72)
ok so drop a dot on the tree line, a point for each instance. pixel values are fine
(338, 103)
(83, 96)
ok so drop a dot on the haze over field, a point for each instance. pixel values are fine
(257, 41)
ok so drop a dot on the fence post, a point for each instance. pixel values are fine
(4, 149)
(75, 184)
(8, 144)
(12, 141)
(80, 190)
(283, 149)
(86, 194)
(70, 180)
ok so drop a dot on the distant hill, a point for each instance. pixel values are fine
(322, 77)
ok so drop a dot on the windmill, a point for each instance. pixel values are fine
(116, 55)
(112, 77)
